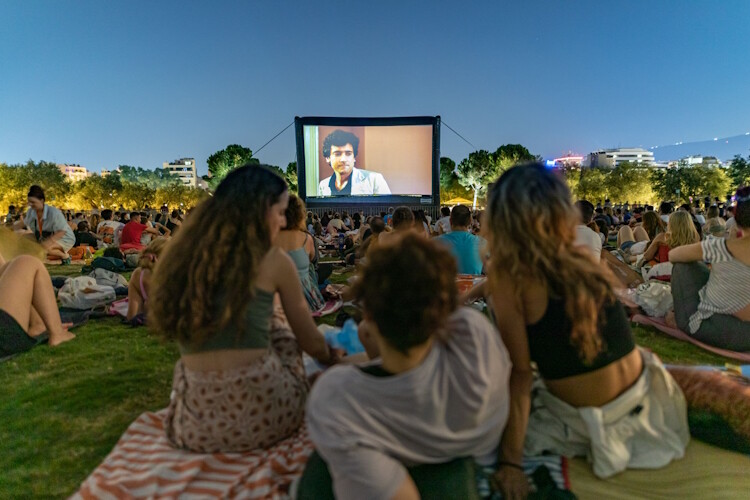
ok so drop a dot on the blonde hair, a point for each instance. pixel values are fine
(530, 228)
(681, 230)
(151, 253)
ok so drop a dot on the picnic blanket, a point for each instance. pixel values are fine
(144, 465)
(662, 326)
(704, 472)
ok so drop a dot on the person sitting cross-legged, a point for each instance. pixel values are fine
(435, 390)
(464, 246)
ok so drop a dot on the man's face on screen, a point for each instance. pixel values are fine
(342, 159)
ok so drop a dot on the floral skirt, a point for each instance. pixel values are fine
(244, 408)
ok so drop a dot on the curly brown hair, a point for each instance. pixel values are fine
(418, 276)
(295, 213)
(531, 224)
(204, 279)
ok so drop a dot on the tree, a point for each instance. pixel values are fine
(15, 181)
(154, 178)
(477, 171)
(592, 184)
(685, 182)
(222, 162)
(739, 171)
(450, 187)
(96, 191)
(291, 177)
(629, 182)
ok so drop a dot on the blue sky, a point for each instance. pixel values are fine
(129, 82)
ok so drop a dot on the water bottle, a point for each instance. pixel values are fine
(341, 242)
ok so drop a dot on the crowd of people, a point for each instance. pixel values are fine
(553, 368)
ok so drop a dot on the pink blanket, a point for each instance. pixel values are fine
(144, 465)
(660, 325)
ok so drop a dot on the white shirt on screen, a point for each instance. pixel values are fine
(363, 182)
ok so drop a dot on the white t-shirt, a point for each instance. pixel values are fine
(454, 404)
(443, 225)
(586, 237)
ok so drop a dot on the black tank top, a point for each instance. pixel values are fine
(557, 358)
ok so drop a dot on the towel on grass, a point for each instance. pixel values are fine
(144, 465)
(662, 326)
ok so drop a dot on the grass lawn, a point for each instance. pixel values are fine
(64, 409)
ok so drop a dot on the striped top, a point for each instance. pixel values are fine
(728, 287)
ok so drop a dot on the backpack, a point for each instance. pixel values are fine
(108, 263)
(83, 293)
(108, 278)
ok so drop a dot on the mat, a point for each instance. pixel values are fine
(660, 325)
(144, 465)
(704, 472)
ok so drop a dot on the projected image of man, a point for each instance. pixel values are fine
(340, 151)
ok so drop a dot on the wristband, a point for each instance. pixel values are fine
(510, 464)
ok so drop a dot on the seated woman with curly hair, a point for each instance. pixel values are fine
(240, 383)
(596, 394)
(436, 389)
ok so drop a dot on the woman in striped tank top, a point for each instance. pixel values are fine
(714, 305)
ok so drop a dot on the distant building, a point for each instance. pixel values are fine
(568, 161)
(185, 169)
(613, 157)
(693, 160)
(105, 172)
(74, 172)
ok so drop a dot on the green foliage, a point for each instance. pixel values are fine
(629, 182)
(683, 182)
(739, 172)
(96, 192)
(15, 181)
(153, 178)
(482, 167)
(291, 177)
(592, 184)
(222, 162)
(450, 187)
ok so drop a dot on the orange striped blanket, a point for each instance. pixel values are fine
(144, 465)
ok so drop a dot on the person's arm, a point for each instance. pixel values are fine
(297, 312)
(164, 228)
(19, 224)
(653, 248)
(310, 247)
(686, 253)
(512, 325)
(152, 230)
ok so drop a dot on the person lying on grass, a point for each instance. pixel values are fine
(28, 306)
(240, 383)
(435, 390)
(596, 394)
(140, 280)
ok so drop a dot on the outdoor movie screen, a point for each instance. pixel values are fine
(345, 161)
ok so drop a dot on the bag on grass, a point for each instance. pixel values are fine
(131, 260)
(83, 293)
(655, 298)
(108, 263)
(108, 278)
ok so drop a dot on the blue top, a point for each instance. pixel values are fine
(466, 248)
(53, 221)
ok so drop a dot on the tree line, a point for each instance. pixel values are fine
(135, 187)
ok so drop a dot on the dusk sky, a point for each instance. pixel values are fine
(104, 83)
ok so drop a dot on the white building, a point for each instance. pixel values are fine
(185, 169)
(613, 157)
(74, 172)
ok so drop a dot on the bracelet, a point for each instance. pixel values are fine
(510, 464)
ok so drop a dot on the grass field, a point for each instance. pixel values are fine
(63, 409)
